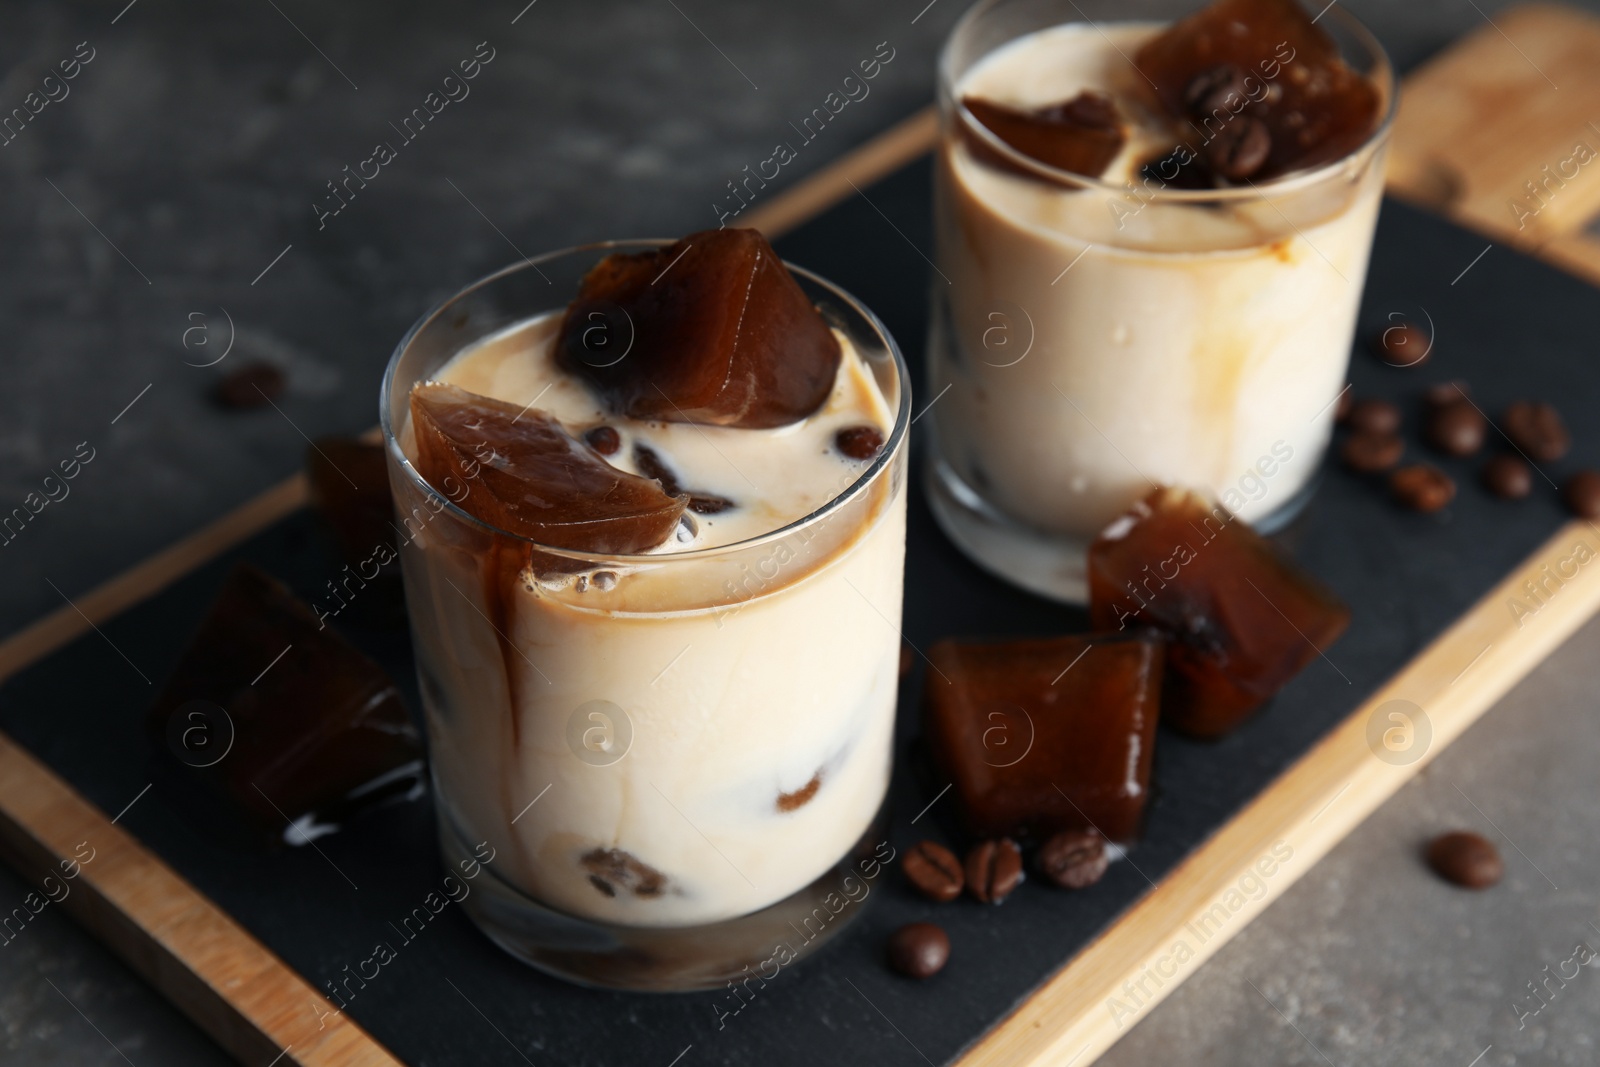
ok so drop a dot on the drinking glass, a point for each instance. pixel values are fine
(668, 769)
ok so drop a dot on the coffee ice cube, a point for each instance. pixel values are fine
(1082, 135)
(349, 482)
(519, 470)
(1266, 60)
(712, 330)
(1241, 618)
(275, 723)
(1048, 734)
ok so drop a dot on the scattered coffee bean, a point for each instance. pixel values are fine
(604, 440)
(1508, 478)
(1374, 416)
(1437, 396)
(1536, 428)
(1465, 858)
(249, 385)
(994, 869)
(1211, 89)
(1371, 452)
(1240, 148)
(859, 442)
(1457, 429)
(1422, 487)
(934, 871)
(1342, 406)
(1404, 344)
(919, 950)
(1582, 494)
(708, 503)
(1073, 859)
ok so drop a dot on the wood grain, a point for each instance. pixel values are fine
(1486, 118)
(1458, 149)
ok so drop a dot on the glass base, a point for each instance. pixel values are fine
(674, 959)
(1051, 565)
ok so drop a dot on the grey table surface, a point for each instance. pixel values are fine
(177, 179)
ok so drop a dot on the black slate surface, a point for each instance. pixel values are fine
(1512, 326)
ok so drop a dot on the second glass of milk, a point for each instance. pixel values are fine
(1092, 337)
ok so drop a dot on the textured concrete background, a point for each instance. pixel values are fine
(187, 158)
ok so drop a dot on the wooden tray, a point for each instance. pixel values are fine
(1050, 977)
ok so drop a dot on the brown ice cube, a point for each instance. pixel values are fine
(1241, 618)
(349, 481)
(273, 719)
(712, 329)
(1082, 135)
(1046, 735)
(1240, 60)
(518, 470)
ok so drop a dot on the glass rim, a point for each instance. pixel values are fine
(898, 433)
(1294, 180)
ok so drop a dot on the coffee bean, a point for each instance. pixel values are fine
(249, 385)
(1374, 416)
(919, 950)
(1211, 89)
(1536, 428)
(1371, 452)
(1404, 344)
(859, 442)
(651, 465)
(1422, 487)
(1437, 396)
(708, 503)
(994, 869)
(1508, 478)
(907, 660)
(1582, 494)
(1073, 859)
(934, 871)
(604, 440)
(1465, 858)
(1240, 148)
(1457, 429)
(1342, 406)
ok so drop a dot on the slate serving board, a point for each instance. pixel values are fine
(1510, 325)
